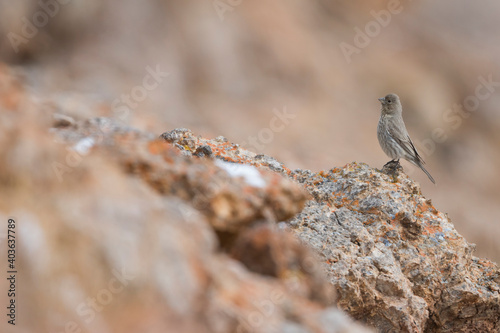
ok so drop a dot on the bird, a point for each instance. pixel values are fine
(393, 136)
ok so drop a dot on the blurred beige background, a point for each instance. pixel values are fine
(233, 66)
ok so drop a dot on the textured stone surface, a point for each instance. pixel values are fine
(395, 259)
(398, 264)
(231, 195)
(122, 231)
(231, 73)
(118, 232)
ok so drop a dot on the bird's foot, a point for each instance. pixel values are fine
(392, 167)
(392, 163)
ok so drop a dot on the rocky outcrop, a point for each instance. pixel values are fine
(117, 231)
(397, 263)
(121, 230)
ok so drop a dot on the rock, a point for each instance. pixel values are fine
(177, 135)
(120, 234)
(229, 200)
(279, 254)
(222, 149)
(125, 232)
(203, 151)
(394, 259)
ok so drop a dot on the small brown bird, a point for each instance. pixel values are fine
(393, 136)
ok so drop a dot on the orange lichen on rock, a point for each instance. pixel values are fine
(383, 244)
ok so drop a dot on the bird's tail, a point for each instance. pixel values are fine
(426, 172)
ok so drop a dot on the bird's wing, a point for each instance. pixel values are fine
(415, 150)
(403, 139)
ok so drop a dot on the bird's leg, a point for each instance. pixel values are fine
(391, 162)
(391, 167)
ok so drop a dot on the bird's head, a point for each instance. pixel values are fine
(390, 104)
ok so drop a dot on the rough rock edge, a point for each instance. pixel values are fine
(398, 263)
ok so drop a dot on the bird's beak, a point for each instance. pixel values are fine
(382, 100)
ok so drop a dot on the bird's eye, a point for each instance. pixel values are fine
(389, 101)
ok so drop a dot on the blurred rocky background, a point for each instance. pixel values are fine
(295, 80)
(116, 229)
(233, 64)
